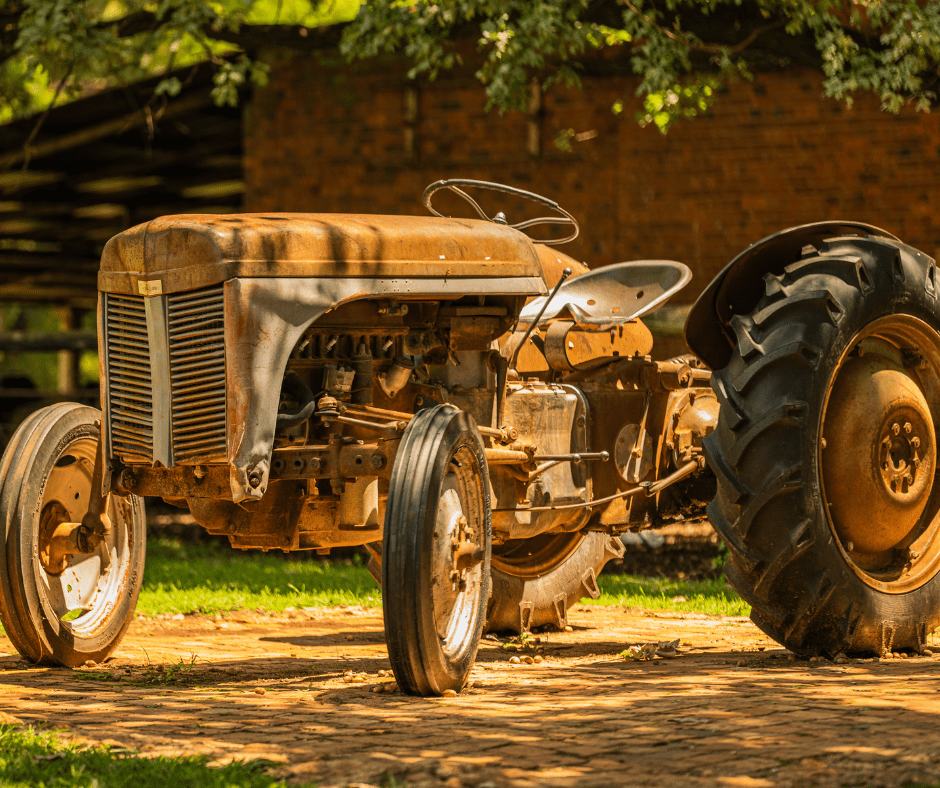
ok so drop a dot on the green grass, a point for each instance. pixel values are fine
(209, 579)
(182, 578)
(29, 758)
(712, 597)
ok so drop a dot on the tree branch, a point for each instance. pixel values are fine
(712, 49)
(132, 24)
(281, 36)
(27, 151)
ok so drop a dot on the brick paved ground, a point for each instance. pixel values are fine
(582, 717)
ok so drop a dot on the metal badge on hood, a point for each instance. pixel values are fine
(153, 287)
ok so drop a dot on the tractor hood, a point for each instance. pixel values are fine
(179, 253)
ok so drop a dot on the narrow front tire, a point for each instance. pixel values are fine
(436, 552)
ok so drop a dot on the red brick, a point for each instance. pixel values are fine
(327, 136)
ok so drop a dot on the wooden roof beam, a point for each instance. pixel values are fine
(102, 130)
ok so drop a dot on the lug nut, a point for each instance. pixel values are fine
(896, 428)
(915, 442)
(907, 427)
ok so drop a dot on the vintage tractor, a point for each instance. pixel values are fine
(481, 412)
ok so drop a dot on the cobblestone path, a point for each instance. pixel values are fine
(730, 710)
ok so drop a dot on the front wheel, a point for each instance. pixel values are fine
(71, 609)
(826, 451)
(436, 552)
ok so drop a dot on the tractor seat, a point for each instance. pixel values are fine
(612, 295)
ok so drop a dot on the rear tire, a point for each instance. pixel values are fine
(438, 510)
(81, 612)
(833, 534)
(536, 581)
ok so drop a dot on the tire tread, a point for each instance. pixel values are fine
(783, 559)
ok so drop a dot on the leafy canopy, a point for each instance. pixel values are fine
(681, 50)
(51, 50)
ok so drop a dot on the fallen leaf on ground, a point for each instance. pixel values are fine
(645, 651)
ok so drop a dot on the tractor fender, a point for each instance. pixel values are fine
(740, 285)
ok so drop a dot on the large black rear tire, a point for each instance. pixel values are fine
(436, 552)
(825, 451)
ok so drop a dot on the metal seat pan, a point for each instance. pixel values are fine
(614, 294)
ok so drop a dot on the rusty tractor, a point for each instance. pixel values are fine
(481, 412)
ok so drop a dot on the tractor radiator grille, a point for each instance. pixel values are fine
(195, 323)
(193, 355)
(130, 388)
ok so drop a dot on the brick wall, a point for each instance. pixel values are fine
(327, 137)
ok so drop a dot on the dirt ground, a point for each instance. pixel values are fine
(730, 710)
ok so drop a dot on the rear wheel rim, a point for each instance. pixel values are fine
(878, 454)
(536, 556)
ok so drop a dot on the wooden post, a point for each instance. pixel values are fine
(411, 122)
(69, 359)
(534, 110)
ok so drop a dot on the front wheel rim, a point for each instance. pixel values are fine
(84, 596)
(459, 544)
(878, 454)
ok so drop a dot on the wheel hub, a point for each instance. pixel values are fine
(900, 458)
(465, 553)
(880, 455)
(60, 539)
(457, 555)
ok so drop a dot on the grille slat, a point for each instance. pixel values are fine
(186, 374)
(136, 385)
(130, 358)
(131, 421)
(132, 407)
(193, 328)
(122, 334)
(198, 423)
(130, 386)
(184, 367)
(195, 323)
(127, 339)
(126, 367)
(131, 378)
(199, 384)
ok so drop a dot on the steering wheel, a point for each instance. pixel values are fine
(454, 185)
